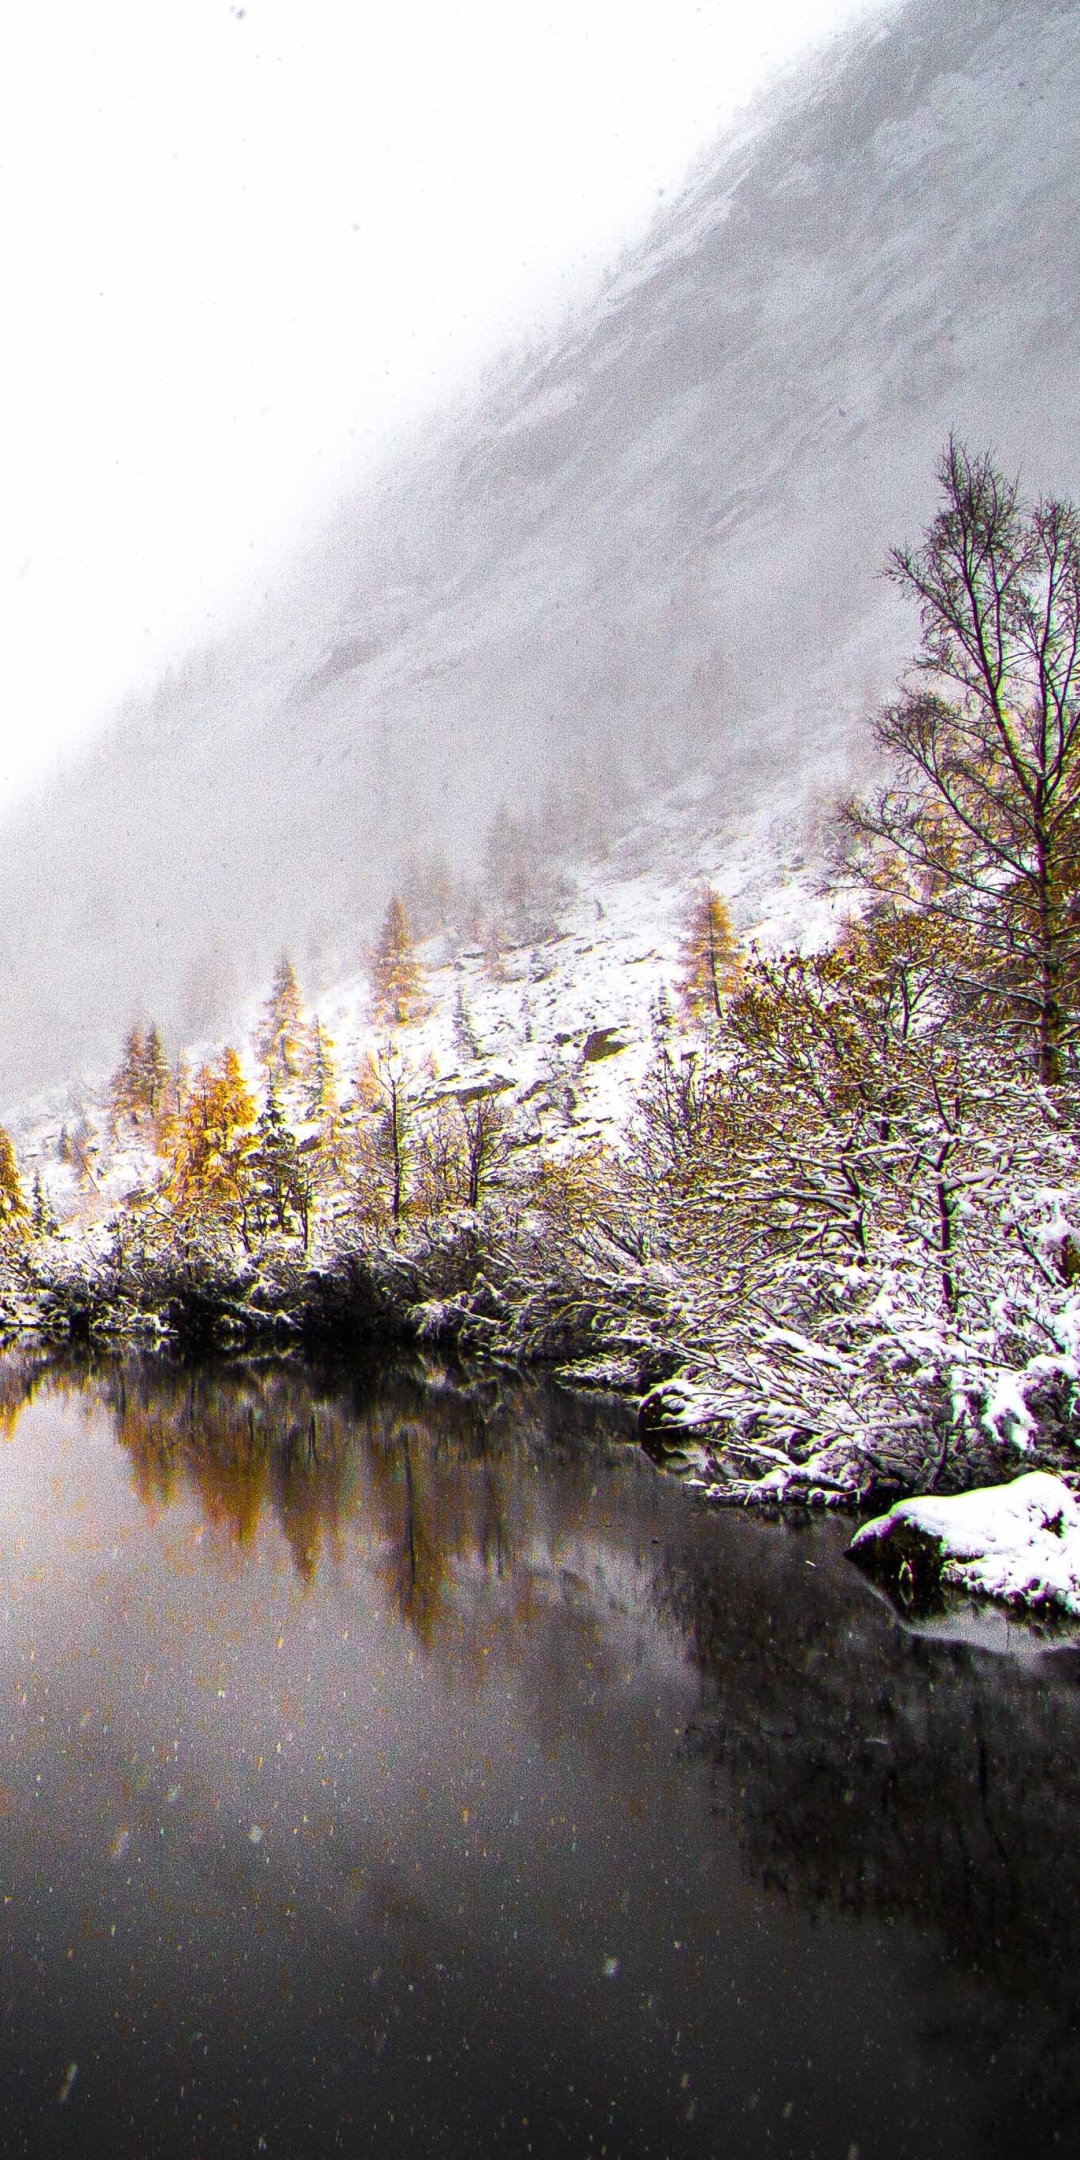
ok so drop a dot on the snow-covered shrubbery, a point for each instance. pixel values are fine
(870, 1178)
(869, 1203)
(830, 1236)
(815, 1199)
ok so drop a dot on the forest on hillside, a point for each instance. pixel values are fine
(835, 1249)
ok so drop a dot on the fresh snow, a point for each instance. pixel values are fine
(1019, 1543)
(612, 954)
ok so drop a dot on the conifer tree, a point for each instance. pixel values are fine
(464, 1033)
(83, 1151)
(42, 1217)
(386, 1091)
(427, 892)
(208, 1173)
(396, 1123)
(522, 887)
(395, 970)
(322, 1075)
(285, 1181)
(484, 1133)
(709, 954)
(14, 1213)
(126, 1091)
(282, 1040)
(155, 1074)
(139, 1086)
(175, 1088)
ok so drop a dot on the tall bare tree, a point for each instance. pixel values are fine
(980, 821)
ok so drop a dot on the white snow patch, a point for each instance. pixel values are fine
(1018, 1542)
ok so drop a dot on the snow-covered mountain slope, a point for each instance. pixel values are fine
(563, 1027)
(649, 551)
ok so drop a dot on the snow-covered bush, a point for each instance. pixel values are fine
(869, 1201)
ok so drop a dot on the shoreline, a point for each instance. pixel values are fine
(498, 1307)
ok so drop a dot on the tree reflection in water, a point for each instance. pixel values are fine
(863, 1774)
(437, 1476)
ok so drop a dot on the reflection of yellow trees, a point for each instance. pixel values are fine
(308, 1482)
(153, 1464)
(437, 1484)
(19, 1376)
(429, 1490)
(27, 1373)
(237, 1442)
(429, 1512)
(454, 1506)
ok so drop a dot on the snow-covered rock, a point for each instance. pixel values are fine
(1019, 1543)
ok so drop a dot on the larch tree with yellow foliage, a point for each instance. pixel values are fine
(14, 1213)
(979, 820)
(207, 1176)
(709, 955)
(139, 1087)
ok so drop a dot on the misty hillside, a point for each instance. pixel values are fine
(649, 552)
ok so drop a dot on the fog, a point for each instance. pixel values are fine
(648, 547)
(246, 245)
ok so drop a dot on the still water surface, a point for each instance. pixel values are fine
(386, 1767)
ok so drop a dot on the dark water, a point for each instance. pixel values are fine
(386, 1769)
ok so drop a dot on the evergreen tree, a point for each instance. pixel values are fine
(322, 1073)
(386, 1099)
(427, 892)
(395, 971)
(284, 1177)
(155, 1074)
(464, 1033)
(484, 1124)
(522, 888)
(282, 1041)
(42, 1217)
(127, 1088)
(83, 1151)
(139, 1086)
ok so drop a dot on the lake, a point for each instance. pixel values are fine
(394, 1765)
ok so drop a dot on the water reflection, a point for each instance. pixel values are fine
(389, 1760)
(906, 1781)
(432, 1470)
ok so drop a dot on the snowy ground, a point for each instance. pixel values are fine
(565, 1024)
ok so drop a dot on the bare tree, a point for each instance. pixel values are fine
(394, 1083)
(484, 1123)
(981, 820)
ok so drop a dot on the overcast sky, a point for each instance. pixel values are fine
(242, 243)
